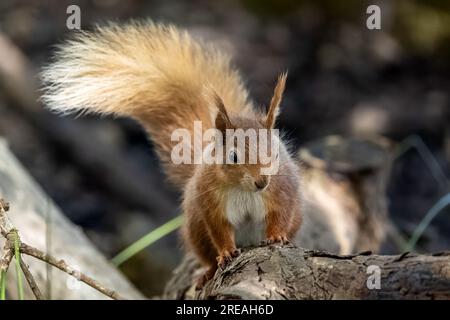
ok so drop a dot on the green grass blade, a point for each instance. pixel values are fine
(3, 285)
(433, 212)
(416, 142)
(147, 240)
(18, 270)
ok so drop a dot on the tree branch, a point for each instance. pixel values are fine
(30, 279)
(63, 266)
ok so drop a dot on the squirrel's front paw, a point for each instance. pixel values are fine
(282, 239)
(226, 256)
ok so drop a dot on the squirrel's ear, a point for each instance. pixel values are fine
(222, 119)
(276, 100)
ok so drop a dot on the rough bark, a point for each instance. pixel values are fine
(288, 272)
(41, 224)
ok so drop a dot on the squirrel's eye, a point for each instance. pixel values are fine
(233, 156)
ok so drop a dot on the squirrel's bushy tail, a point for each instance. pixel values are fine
(154, 73)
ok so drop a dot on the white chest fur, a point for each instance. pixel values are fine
(246, 212)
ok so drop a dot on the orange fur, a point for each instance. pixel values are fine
(164, 79)
(208, 232)
(157, 74)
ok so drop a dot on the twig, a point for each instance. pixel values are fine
(30, 279)
(8, 254)
(63, 266)
(7, 230)
(18, 257)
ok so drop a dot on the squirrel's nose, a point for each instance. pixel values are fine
(261, 183)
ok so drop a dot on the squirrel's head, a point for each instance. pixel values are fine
(251, 147)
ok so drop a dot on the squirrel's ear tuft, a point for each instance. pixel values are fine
(275, 102)
(222, 119)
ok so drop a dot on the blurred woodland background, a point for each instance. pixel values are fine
(343, 79)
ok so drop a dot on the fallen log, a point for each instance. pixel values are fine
(288, 272)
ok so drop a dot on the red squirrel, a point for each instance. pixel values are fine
(163, 78)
